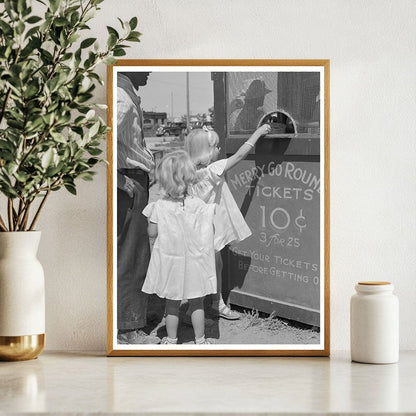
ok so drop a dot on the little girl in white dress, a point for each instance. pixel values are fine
(229, 224)
(182, 264)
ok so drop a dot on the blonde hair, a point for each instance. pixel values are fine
(200, 145)
(175, 173)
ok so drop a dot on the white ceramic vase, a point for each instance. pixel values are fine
(22, 296)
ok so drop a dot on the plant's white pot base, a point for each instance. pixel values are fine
(22, 296)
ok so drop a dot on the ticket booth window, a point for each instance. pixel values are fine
(288, 96)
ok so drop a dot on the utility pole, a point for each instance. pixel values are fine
(171, 105)
(187, 102)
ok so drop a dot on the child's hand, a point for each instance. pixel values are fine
(264, 129)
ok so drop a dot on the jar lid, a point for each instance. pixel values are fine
(372, 287)
(374, 283)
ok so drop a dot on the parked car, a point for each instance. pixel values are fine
(171, 129)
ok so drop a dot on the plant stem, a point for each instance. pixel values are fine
(39, 209)
(20, 213)
(2, 224)
(10, 213)
(3, 109)
(26, 216)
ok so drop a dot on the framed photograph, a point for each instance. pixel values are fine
(218, 208)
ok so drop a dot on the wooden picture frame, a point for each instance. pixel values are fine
(278, 278)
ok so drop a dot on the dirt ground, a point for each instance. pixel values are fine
(252, 328)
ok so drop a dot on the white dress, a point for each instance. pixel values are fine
(182, 264)
(229, 223)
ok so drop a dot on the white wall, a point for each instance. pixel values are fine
(371, 45)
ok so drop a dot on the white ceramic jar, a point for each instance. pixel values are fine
(374, 323)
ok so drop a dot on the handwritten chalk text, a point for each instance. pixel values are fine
(289, 170)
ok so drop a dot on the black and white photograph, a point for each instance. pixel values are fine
(218, 208)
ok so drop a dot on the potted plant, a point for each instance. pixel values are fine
(50, 136)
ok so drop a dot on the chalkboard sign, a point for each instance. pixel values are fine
(277, 269)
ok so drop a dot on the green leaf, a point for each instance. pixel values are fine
(15, 124)
(61, 21)
(112, 31)
(47, 158)
(94, 151)
(89, 15)
(58, 137)
(52, 171)
(32, 31)
(133, 23)
(67, 56)
(78, 154)
(7, 29)
(119, 52)
(27, 11)
(54, 4)
(48, 118)
(92, 161)
(87, 42)
(82, 166)
(46, 56)
(21, 6)
(112, 41)
(67, 153)
(70, 188)
(133, 38)
(27, 52)
(20, 28)
(8, 191)
(121, 22)
(90, 115)
(4, 145)
(77, 130)
(63, 41)
(94, 129)
(34, 125)
(73, 38)
(86, 176)
(33, 19)
(82, 98)
(110, 60)
(10, 168)
(53, 83)
(10, 7)
(74, 18)
(31, 90)
(21, 177)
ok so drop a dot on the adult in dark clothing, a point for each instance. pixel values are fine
(134, 163)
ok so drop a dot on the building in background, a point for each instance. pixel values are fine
(152, 120)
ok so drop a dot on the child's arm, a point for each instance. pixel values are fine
(243, 151)
(152, 230)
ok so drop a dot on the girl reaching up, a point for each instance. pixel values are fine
(210, 186)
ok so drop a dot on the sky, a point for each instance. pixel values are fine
(166, 92)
